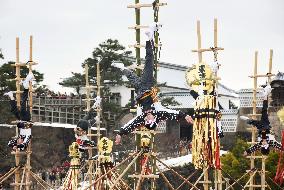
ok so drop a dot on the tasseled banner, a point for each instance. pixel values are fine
(279, 177)
(205, 143)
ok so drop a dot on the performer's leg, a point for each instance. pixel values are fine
(25, 109)
(13, 104)
(147, 78)
(131, 76)
(264, 113)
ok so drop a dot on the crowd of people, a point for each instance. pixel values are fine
(184, 147)
(58, 95)
(56, 175)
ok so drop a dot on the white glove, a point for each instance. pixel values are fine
(267, 90)
(245, 118)
(97, 103)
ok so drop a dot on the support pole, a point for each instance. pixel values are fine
(28, 162)
(88, 107)
(18, 99)
(253, 136)
(137, 49)
(199, 42)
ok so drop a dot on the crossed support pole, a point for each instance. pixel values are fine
(251, 182)
(145, 166)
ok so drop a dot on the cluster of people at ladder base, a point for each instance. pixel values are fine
(149, 110)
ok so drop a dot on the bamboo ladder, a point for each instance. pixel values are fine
(26, 173)
(217, 173)
(251, 182)
(137, 6)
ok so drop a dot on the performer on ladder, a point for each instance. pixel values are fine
(83, 125)
(23, 116)
(150, 111)
(265, 139)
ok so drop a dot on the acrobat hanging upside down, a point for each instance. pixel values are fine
(265, 139)
(150, 111)
(23, 116)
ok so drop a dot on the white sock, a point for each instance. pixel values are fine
(152, 28)
(10, 94)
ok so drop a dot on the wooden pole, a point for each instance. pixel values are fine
(199, 42)
(156, 48)
(253, 136)
(270, 65)
(137, 50)
(18, 99)
(215, 33)
(180, 176)
(28, 162)
(98, 94)
(88, 107)
(165, 179)
(218, 171)
(126, 169)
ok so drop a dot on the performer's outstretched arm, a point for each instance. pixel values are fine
(274, 144)
(132, 124)
(253, 148)
(171, 115)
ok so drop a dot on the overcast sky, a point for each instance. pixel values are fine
(66, 32)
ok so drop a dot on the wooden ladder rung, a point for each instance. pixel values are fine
(256, 114)
(144, 176)
(93, 135)
(18, 184)
(21, 152)
(257, 157)
(205, 182)
(209, 49)
(267, 75)
(88, 99)
(140, 5)
(137, 27)
(89, 86)
(19, 64)
(142, 45)
(148, 132)
(256, 186)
